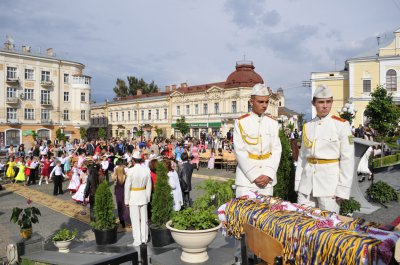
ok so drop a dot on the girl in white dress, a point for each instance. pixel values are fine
(75, 181)
(173, 180)
(79, 196)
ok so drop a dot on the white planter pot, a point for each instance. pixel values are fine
(63, 246)
(194, 243)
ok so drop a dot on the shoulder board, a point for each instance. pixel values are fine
(270, 116)
(339, 119)
(244, 116)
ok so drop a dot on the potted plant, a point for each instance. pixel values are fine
(161, 209)
(196, 227)
(382, 192)
(104, 226)
(63, 238)
(348, 207)
(25, 218)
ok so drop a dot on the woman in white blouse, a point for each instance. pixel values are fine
(175, 186)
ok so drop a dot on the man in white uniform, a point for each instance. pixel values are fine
(324, 172)
(257, 146)
(137, 196)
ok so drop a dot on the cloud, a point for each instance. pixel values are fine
(251, 13)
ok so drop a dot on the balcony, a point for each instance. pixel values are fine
(47, 83)
(13, 121)
(46, 121)
(12, 100)
(47, 102)
(12, 80)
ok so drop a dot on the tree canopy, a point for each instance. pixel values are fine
(383, 114)
(122, 89)
(182, 125)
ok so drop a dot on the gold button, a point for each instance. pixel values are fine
(260, 166)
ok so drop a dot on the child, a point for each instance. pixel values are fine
(28, 168)
(45, 170)
(79, 196)
(104, 167)
(10, 168)
(212, 159)
(58, 174)
(75, 180)
(1, 169)
(33, 171)
(20, 178)
(81, 159)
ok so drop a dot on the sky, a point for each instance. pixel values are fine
(199, 41)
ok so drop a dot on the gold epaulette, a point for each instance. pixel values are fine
(270, 116)
(244, 116)
(339, 119)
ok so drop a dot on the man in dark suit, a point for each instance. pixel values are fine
(90, 148)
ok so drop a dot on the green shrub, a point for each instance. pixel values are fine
(285, 175)
(347, 207)
(103, 208)
(195, 219)
(161, 200)
(215, 193)
(386, 160)
(382, 192)
(65, 234)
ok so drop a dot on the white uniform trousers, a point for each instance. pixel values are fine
(327, 203)
(241, 190)
(138, 214)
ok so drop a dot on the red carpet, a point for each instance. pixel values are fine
(396, 221)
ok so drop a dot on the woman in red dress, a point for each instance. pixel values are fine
(45, 170)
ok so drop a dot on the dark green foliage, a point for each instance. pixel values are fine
(195, 219)
(382, 192)
(348, 116)
(349, 206)
(134, 84)
(182, 125)
(384, 115)
(215, 193)
(83, 133)
(161, 200)
(285, 185)
(103, 208)
(102, 133)
(60, 135)
(386, 160)
(65, 234)
(25, 217)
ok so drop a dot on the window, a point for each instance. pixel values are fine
(29, 74)
(45, 76)
(129, 115)
(123, 116)
(43, 134)
(391, 80)
(178, 110)
(135, 115)
(366, 86)
(66, 115)
(157, 114)
(165, 114)
(205, 108)
(66, 78)
(11, 92)
(142, 114)
(216, 107)
(116, 116)
(149, 115)
(28, 93)
(111, 116)
(233, 106)
(45, 97)
(13, 137)
(83, 115)
(11, 73)
(66, 96)
(187, 110)
(196, 109)
(83, 96)
(45, 114)
(11, 113)
(29, 114)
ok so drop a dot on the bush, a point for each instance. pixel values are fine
(103, 208)
(386, 160)
(65, 234)
(161, 200)
(347, 207)
(215, 193)
(382, 192)
(195, 219)
(286, 173)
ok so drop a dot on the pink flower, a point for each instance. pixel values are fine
(29, 201)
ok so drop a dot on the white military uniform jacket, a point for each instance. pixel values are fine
(326, 161)
(137, 185)
(257, 147)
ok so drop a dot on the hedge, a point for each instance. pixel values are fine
(386, 160)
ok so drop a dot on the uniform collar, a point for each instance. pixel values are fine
(323, 118)
(256, 115)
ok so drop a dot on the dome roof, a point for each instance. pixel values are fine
(244, 76)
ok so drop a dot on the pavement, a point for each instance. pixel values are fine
(51, 220)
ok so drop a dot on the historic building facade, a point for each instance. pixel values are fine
(41, 93)
(209, 107)
(361, 76)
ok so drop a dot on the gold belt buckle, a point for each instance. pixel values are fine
(260, 157)
(313, 161)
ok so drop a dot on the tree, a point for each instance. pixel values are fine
(161, 200)
(102, 133)
(348, 116)
(60, 135)
(83, 133)
(182, 125)
(34, 135)
(383, 114)
(301, 119)
(134, 84)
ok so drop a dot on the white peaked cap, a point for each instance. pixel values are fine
(260, 90)
(136, 155)
(322, 91)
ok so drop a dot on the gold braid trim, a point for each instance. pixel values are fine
(245, 136)
(307, 142)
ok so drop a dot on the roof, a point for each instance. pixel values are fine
(287, 112)
(199, 88)
(243, 76)
(149, 95)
